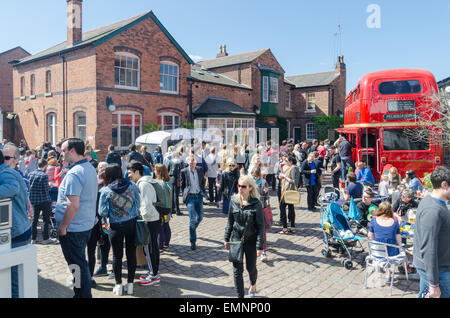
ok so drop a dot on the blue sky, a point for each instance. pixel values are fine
(300, 33)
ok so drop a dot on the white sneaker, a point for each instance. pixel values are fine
(263, 257)
(128, 288)
(118, 290)
(49, 241)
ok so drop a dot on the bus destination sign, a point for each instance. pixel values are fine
(401, 116)
(401, 105)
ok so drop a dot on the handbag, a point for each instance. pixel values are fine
(291, 196)
(268, 217)
(236, 251)
(142, 233)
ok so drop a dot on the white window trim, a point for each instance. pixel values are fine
(313, 110)
(288, 106)
(126, 54)
(133, 138)
(275, 100)
(266, 89)
(53, 126)
(178, 78)
(306, 131)
(77, 116)
(173, 115)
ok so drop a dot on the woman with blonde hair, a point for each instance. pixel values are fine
(246, 224)
(394, 177)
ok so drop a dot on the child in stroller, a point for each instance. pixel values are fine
(338, 234)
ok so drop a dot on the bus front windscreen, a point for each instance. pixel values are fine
(397, 139)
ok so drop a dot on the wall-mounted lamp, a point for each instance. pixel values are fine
(110, 104)
(11, 116)
(256, 110)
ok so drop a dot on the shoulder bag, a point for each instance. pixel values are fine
(291, 195)
(142, 233)
(236, 250)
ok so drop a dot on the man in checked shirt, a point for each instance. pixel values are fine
(40, 200)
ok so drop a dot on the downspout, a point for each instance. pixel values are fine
(63, 60)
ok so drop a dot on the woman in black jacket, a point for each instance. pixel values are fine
(246, 222)
(311, 180)
(228, 184)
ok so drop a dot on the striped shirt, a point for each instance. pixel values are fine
(39, 187)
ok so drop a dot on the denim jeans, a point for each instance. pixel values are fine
(195, 209)
(73, 246)
(444, 282)
(19, 241)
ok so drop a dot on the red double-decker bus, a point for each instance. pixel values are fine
(379, 110)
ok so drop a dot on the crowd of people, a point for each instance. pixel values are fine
(96, 204)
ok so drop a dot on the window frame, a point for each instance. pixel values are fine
(265, 89)
(168, 114)
(308, 109)
(48, 82)
(307, 132)
(119, 113)
(171, 76)
(273, 80)
(77, 125)
(32, 85)
(127, 55)
(53, 125)
(288, 100)
(22, 86)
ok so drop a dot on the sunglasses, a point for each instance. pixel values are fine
(8, 157)
(242, 186)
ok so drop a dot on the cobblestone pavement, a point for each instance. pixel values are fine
(295, 268)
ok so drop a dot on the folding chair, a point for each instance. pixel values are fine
(378, 258)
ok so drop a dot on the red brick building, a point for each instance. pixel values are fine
(315, 94)
(6, 90)
(103, 85)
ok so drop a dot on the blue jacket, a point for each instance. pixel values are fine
(12, 186)
(365, 175)
(157, 158)
(119, 202)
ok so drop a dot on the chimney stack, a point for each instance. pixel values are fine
(222, 51)
(74, 21)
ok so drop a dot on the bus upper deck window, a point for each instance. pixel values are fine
(400, 87)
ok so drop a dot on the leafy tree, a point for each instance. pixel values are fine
(150, 127)
(324, 123)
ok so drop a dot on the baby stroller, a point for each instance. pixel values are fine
(52, 228)
(327, 195)
(338, 234)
